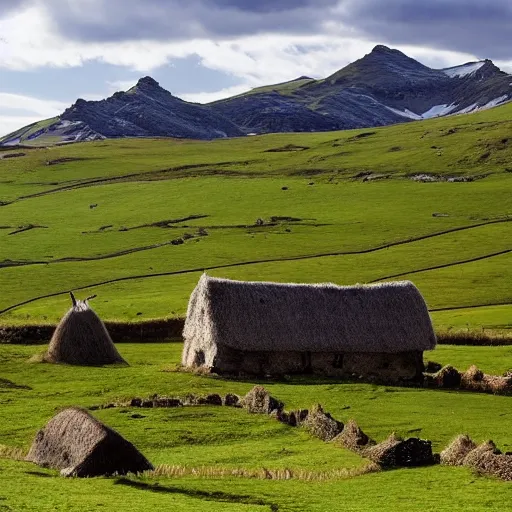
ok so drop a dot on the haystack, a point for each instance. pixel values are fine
(259, 401)
(273, 328)
(81, 338)
(79, 445)
(487, 459)
(396, 452)
(353, 438)
(474, 457)
(321, 424)
(457, 450)
(474, 379)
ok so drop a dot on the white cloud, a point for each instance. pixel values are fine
(37, 109)
(208, 97)
(9, 124)
(48, 108)
(33, 42)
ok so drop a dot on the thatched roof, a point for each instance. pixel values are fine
(260, 316)
(81, 338)
(80, 445)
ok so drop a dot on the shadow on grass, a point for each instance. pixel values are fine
(6, 383)
(202, 495)
(38, 473)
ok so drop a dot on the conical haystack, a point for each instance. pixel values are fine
(81, 338)
(79, 445)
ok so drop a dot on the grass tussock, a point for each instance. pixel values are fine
(11, 452)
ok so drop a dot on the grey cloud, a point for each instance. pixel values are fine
(8, 6)
(478, 27)
(114, 20)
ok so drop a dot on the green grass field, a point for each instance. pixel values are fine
(214, 438)
(101, 218)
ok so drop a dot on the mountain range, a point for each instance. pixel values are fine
(384, 87)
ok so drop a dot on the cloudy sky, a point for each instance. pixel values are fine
(54, 51)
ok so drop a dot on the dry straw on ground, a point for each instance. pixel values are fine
(485, 458)
(81, 338)
(263, 473)
(79, 445)
(456, 451)
(321, 424)
(353, 438)
(259, 401)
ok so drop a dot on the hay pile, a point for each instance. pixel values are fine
(396, 452)
(485, 458)
(321, 424)
(447, 377)
(79, 445)
(353, 438)
(474, 379)
(81, 338)
(259, 401)
(455, 453)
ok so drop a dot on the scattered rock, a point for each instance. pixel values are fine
(167, 402)
(231, 400)
(397, 453)
(212, 399)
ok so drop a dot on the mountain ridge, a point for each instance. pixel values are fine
(384, 87)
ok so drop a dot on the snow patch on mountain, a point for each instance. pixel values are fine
(405, 113)
(438, 110)
(495, 102)
(464, 70)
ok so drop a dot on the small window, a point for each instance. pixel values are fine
(338, 361)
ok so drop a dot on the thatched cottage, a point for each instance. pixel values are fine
(258, 328)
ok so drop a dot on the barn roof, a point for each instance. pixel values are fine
(261, 316)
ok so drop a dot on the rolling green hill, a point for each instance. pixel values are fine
(136, 221)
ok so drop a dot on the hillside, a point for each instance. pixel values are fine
(384, 87)
(136, 222)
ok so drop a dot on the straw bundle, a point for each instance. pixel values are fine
(81, 338)
(80, 445)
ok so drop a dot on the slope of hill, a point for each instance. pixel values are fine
(136, 221)
(384, 87)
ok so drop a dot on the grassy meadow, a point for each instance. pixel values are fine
(220, 439)
(136, 222)
(108, 218)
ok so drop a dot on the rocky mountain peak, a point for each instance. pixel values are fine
(147, 82)
(380, 48)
